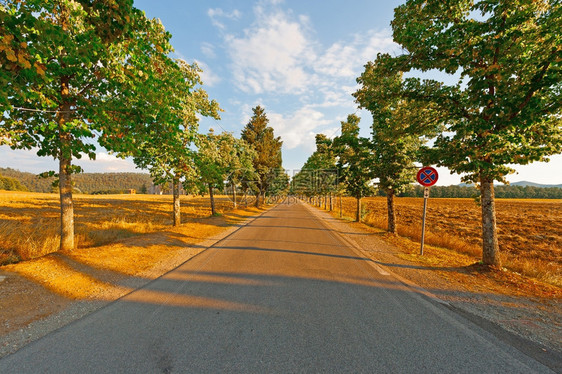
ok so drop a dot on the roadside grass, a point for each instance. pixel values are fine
(125, 244)
(530, 230)
(30, 224)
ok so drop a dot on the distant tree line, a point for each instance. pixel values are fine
(88, 183)
(11, 184)
(501, 192)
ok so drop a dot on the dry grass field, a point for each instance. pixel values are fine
(120, 239)
(530, 231)
(29, 222)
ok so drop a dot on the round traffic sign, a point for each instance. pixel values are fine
(427, 176)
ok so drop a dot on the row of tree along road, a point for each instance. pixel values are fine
(506, 57)
(77, 73)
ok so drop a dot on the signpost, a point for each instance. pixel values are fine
(427, 177)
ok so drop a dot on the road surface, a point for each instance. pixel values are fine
(283, 294)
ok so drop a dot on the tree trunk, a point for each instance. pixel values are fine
(358, 213)
(212, 197)
(391, 211)
(234, 195)
(490, 247)
(331, 203)
(66, 205)
(258, 195)
(341, 207)
(65, 156)
(325, 202)
(177, 204)
(65, 174)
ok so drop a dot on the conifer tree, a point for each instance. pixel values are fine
(261, 138)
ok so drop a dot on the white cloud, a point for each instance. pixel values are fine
(272, 55)
(346, 58)
(298, 128)
(218, 13)
(208, 50)
(277, 55)
(208, 77)
(25, 160)
(107, 163)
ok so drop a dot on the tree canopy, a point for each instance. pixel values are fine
(505, 108)
(85, 71)
(353, 160)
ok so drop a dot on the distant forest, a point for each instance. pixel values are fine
(88, 183)
(501, 192)
(115, 183)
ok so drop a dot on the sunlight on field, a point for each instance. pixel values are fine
(30, 223)
(120, 236)
(530, 231)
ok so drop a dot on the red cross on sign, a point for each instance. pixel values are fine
(427, 176)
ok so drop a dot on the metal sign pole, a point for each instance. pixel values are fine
(425, 197)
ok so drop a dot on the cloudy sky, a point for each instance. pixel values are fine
(298, 59)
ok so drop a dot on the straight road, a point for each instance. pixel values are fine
(283, 294)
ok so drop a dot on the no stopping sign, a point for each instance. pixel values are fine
(427, 176)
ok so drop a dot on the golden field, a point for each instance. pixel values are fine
(120, 238)
(529, 231)
(30, 222)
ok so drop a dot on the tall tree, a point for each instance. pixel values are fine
(261, 138)
(240, 167)
(353, 155)
(56, 104)
(319, 173)
(506, 107)
(279, 185)
(216, 159)
(395, 139)
(169, 125)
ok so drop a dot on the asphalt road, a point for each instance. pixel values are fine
(283, 294)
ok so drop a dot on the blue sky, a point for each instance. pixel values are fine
(298, 59)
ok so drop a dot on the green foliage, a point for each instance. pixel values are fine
(506, 107)
(32, 182)
(280, 183)
(165, 147)
(11, 184)
(501, 192)
(353, 158)
(217, 157)
(396, 131)
(260, 137)
(71, 44)
(319, 174)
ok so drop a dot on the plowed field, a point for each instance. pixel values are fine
(530, 231)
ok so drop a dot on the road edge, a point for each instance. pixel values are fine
(550, 358)
(76, 310)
